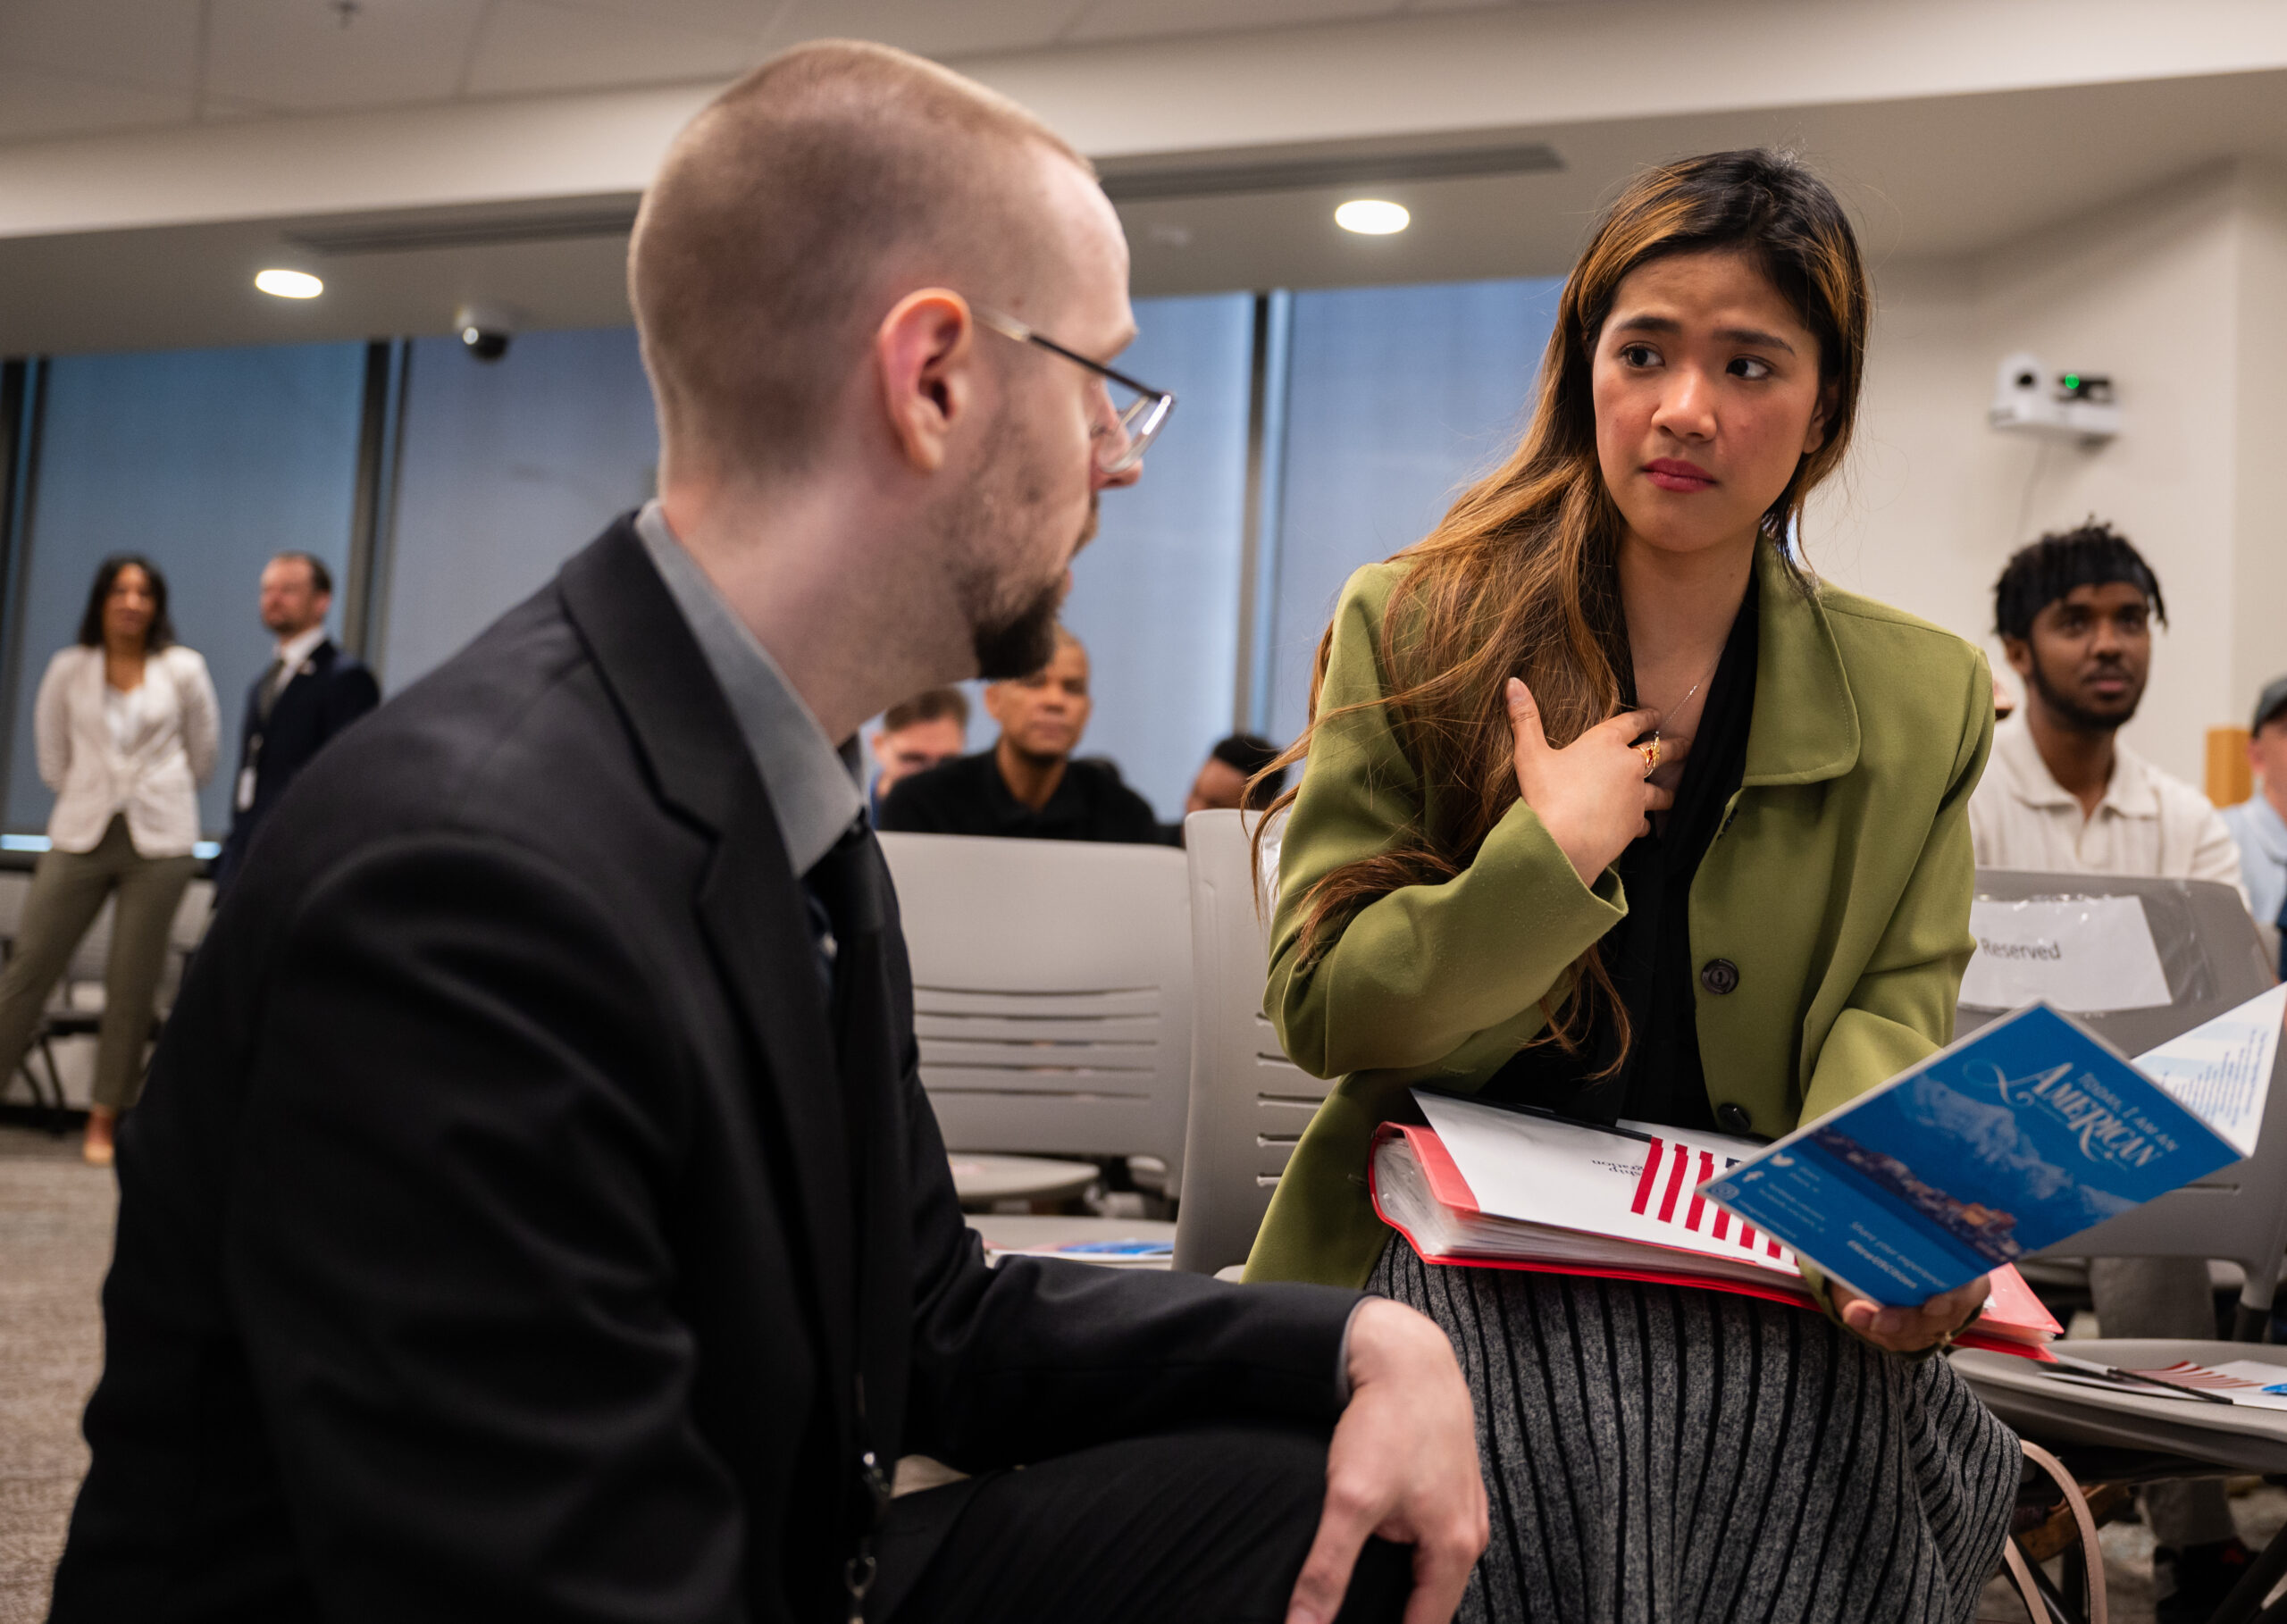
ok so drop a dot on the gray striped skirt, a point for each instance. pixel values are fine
(1660, 1455)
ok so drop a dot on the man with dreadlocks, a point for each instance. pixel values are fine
(2075, 612)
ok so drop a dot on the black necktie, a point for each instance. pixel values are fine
(273, 684)
(844, 893)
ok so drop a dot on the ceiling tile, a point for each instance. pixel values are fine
(37, 102)
(527, 46)
(152, 43)
(1156, 19)
(299, 54)
(932, 28)
(747, 20)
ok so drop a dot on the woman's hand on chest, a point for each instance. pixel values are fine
(1593, 796)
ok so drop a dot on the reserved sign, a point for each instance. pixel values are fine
(2086, 955)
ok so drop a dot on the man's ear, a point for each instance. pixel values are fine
(923, 353)
(2020, 656)
(992, 696)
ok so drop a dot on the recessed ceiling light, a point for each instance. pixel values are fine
(1371, 217)
(288, 284)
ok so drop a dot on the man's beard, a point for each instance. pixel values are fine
(2076, 715)
(1007, 642)
(1017, 645)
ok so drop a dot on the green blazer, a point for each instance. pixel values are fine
(1838, 888)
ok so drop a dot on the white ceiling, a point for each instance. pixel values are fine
(1920, 176)
(155, 153)
(78, 67)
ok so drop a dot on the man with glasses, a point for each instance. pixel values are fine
(534, 1213)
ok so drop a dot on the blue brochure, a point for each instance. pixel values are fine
(2029, 1131)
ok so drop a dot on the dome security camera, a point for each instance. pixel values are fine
(486, 330)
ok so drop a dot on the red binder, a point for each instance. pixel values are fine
(1421, 1194)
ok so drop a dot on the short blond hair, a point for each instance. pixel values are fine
(781, 206)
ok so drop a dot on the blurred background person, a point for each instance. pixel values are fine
(1028, 786)
(1221, 785)
(126, 724)
(312, 689)
(1231, 766)
(2062, 793)
(926, 731)
(2258, 825)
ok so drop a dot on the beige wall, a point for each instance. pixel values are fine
(2179, 295)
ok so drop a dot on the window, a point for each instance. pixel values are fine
(1155, 595)
(1395, 398)
(507, 468)
(208, 462)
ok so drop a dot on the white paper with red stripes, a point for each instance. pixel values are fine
(1571, 1177)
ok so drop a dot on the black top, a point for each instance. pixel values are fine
(1649, 953)
(968, 796)
(488, 1243)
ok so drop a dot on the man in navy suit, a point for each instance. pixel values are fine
(310, 691)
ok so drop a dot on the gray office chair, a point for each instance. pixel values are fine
(1249, 1102)
(1051, 992)
(2213, 960)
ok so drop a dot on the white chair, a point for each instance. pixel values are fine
(2212, 956)
(1249, 1102)
(1051, 992)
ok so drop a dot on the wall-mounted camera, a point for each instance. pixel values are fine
(2028, 399)
(486, 329)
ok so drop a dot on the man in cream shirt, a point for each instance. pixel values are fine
(2062, 793)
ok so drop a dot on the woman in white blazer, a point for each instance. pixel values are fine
(127, 726)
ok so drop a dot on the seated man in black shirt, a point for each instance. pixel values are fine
(1027, 786)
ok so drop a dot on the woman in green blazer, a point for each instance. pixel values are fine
(1611, 809)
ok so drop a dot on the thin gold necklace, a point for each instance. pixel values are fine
(1687, 693)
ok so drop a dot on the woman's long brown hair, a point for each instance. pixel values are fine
(1521, 577)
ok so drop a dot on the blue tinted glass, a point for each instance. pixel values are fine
(1395, 398)
(508, 467)
(208, 462)
(1155, 595)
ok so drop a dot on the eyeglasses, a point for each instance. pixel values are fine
(1137, 410)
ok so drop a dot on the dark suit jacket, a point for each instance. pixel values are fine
(487, 1244)
(328, 692)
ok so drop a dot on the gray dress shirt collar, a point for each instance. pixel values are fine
(811, 791)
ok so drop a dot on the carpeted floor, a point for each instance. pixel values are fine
(55, 1224)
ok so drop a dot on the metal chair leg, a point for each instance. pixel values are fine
(2245, 1602)
(55, 1087)
(2059, 1605)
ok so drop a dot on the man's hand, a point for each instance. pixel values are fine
(1909, 1330)
(1402, 1465)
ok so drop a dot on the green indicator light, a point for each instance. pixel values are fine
(2071, 381)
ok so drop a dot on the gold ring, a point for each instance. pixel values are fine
(1651, 754)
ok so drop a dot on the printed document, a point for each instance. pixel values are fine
(2029, 1131)
(2086, 955)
